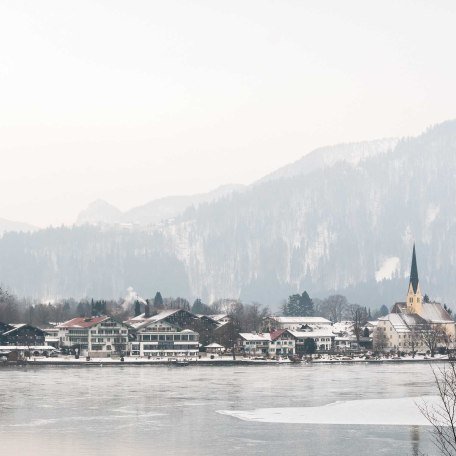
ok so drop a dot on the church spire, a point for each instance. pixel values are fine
(414, 272)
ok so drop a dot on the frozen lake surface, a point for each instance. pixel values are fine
(207, 410)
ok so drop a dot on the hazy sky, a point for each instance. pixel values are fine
(129, 101)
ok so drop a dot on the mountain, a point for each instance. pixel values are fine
(153, 212)
(352, 153)
(341, 228)
(172, 206)
(9, 225)
(346, 226)
(97, 212)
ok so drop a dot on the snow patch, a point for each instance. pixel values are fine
(387, 412)
(388, 269)
(432, 213)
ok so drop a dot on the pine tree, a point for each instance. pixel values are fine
(299, 306)
(384, 310)
(199, 307)
(291, 308)
(306, 306)
(310, 347)
(158, 300)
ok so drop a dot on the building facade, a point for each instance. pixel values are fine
(323, 339)
(99, 337)
(276, 343)
(166, 334)
(21, 334)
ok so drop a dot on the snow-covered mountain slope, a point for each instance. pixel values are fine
(345, 228)
(342, 228)
(153, 212)
(172, 206)
(351, 153)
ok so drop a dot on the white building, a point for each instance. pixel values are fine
(162, 335)
(323, 338)
(275, 343)
(94, 336)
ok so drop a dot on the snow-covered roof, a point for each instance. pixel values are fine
(402, 322)
(316, 333)
(435, 313)
(27, 347)
(217, 317)
(214, 345)
(342, 326)
(83, 322)
(373, 323)
(261, 337)
(187, 331)
(140, 321)
(16, 326)
(302, 320)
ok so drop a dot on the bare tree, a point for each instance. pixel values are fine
(416, 338)
(380, 339)
(253, 316)
(358, 315)
(430, 335)
(334, 307)
(442, 416)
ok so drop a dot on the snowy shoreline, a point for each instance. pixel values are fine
(130, 361)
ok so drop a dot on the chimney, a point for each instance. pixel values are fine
(147, 310)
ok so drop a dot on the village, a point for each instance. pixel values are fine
(415, 329)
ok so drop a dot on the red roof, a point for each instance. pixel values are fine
(82, 322)
(277, 333)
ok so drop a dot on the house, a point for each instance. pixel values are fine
(295, 323)
(275, 343)
(214, 329)
(52, 336)
(218, 319)
(165, 334)
(344, 342)
(214, 348)
(21, 334)
(323, 338)
(99, 337)
(409, 324)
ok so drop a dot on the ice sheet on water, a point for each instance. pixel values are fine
(398, 411)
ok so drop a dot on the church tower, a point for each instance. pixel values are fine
(414, 298)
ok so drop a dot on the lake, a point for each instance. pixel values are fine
(210, 410)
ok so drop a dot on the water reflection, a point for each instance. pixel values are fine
(415, 440)
(168, 411)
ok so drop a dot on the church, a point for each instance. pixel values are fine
(415, 325)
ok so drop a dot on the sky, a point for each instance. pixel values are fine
(131, 101)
